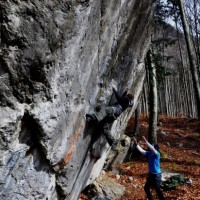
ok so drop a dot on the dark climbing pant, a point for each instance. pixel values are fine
(108, 111)
(153, 181)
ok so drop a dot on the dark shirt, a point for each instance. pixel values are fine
(122, 100)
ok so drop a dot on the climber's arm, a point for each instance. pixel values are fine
(120, 98)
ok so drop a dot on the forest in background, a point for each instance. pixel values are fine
(179, 146)
(169, 110)
(177, 85)
(170, 103)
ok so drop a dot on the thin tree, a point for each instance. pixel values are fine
(191, 54)
(153, 103)
(135, 130)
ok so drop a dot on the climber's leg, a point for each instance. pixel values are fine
(100, 115)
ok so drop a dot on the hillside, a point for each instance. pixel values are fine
(179, 140)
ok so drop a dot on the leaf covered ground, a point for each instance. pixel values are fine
(179, 141)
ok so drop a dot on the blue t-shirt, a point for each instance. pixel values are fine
(153, 162)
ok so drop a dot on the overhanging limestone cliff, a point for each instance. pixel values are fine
(58, 60)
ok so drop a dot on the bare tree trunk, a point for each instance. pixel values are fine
(153, 102)
(196, 18)
(136, 125)
(192, 57)
(145, 100)
(184, 89)
(161, 106)
(167, 96)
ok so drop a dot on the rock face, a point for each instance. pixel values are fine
(58, 61)
(108, 187)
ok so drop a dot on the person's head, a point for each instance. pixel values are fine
(156, 146)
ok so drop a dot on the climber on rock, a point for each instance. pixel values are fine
(108, 114)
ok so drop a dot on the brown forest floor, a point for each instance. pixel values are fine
(180, 150)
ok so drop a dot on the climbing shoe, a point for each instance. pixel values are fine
(114, 144)
(91, 118)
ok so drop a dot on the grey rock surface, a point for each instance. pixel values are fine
(107, 188)
(58, 61)
(119, 155)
